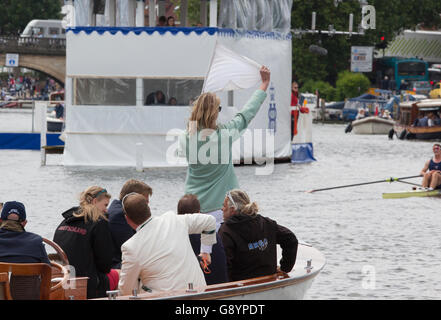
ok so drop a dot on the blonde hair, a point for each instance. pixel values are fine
(87, 209)
(204, 114)
(242, 202)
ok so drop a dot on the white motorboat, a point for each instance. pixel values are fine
(291, 286)
(372, 125)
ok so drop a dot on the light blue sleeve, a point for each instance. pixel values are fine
(242, 119)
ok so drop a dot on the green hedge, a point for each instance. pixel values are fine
(349, 85)
(326, 91)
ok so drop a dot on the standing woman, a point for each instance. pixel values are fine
(208, 147)
(84, 236)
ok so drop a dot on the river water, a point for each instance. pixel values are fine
(375, 248)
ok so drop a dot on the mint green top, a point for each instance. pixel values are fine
(210, 173)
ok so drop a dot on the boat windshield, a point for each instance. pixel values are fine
(411, 68)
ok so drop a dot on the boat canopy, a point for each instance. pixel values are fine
(261, 15)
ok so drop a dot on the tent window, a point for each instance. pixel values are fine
(181, 92)
(108, 92)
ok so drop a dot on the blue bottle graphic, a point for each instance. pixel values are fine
(272, 111)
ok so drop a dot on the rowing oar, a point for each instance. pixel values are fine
(364, 183)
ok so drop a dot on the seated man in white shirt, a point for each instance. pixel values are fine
(159, 257)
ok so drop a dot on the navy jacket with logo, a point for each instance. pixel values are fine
(89, 248)
(250, 244)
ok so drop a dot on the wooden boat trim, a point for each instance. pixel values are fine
(415, 130)
(226, 290)
(57, 291)
(373, 119)
(61, 254)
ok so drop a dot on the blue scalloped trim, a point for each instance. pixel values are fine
(175, 30)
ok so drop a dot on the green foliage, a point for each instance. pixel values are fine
(392, 17)
(350, 85)
(15, 14)
(193, 12)
(326, 91)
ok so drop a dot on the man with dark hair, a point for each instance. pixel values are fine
(159, 256)
(155, 98)
(16, 244)
(217, 273)
(189, 203)
(119, 228)
(162, 21)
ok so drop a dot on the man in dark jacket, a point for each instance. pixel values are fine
(250, 240)
(217, 271)
(120, 230)
(16, 244)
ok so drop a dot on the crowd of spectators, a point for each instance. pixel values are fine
(27, 87)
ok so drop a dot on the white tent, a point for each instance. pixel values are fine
(111, 70)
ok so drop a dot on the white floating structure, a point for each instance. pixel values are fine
(114, 63)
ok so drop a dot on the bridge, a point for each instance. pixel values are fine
(47, 55)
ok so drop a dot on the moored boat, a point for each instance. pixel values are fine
(372, 125)
(407, 127)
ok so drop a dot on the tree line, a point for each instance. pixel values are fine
(392, 17)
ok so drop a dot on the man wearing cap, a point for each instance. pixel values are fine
(16, 244)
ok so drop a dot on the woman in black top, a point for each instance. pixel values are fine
(250, 240)
(85, 237)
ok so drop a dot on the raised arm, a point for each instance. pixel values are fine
(265, 75)
(242, 119)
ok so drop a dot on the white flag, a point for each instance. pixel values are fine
(230, 71)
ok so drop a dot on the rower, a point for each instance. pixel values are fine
(431, 171)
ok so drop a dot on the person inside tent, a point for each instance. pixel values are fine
(155, 98)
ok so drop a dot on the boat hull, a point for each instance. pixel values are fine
(372, 125)
(418, 133)
(413, 193)
(292, 286)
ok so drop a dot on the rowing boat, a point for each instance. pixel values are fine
(289, 286)
(412, 193)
